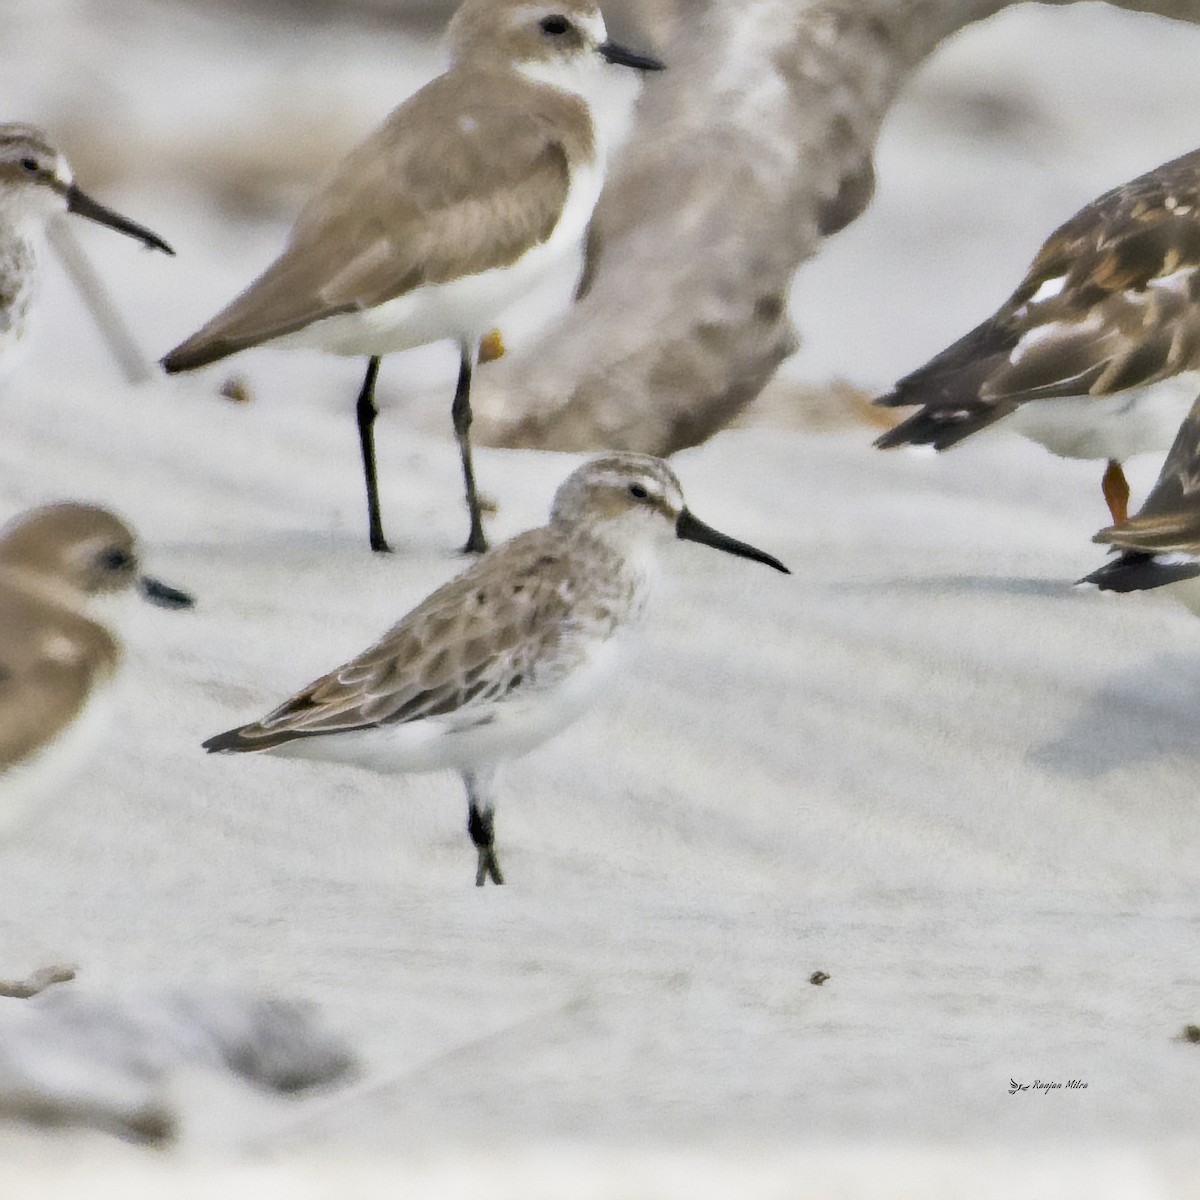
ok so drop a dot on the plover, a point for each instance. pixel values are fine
(1160, 546)
(472, 192)
(57, 663)
(507, 654)
(35, 184)
(1097, 353)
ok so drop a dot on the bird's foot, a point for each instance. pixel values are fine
(491, 347)
(488, 867)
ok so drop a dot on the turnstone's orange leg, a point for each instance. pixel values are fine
(1116, 491)
(491, 347)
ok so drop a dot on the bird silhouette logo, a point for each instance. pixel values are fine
(1015, 1087)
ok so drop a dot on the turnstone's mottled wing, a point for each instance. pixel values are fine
(1111, 302)
(476, 640)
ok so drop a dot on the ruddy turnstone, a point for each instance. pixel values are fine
(1097, 352)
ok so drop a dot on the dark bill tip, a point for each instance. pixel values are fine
(164, 595)
(80, 202)
(691, 529)
(621, 57)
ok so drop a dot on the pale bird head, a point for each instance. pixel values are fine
(555, 39)
(80, 549)
(629, 500)
(36, 182)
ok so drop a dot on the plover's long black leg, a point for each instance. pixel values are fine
(366, 413)
(461, 412)
(481, 816)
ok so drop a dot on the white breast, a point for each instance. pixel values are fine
(1137, 421)
(44, 776)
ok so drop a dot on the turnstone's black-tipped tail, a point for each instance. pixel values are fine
(1138, 571)
(939, 427)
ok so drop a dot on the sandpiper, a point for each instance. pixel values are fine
(507, 654)
(57, 663)
(35, 184)
(1097, 353)
(471, 192)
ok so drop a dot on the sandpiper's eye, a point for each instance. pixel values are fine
(555, 26)
(29, 164)
(638, 492)
(115, 559)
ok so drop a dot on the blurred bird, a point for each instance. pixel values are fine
(35, 184)
(505, 656)
(471, 193)
(1160, 546)
(1097, 353)
(57, 663)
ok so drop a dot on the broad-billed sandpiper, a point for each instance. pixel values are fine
(507, 654)
(470, 194)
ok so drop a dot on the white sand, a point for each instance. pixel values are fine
(923, 765)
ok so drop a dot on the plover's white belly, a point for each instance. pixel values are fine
(1137, 421)
(464, 308)
(33, 781)
(476, 737)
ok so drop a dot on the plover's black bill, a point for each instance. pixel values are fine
(692, 529)
(622, 57)
(80, 202)
(163, 594)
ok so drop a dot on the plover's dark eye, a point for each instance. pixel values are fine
(638, 492)
(555, 26)
(115, 559)
(30, 164)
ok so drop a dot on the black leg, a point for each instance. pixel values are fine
(461, 412)
(366, 413)
(481, 817)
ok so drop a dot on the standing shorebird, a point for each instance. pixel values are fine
(56, 662)
(35, 184)
(1160, 546)
(1097, 353)
(471, 193)
(505, 656)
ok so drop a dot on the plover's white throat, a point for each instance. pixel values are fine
(507, 654)
(1160, 546)
(468, 195)
(35, 184)
(57, 662)
(1097, 353)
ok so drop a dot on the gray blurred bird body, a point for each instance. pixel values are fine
(470, 194)
(1097, 352)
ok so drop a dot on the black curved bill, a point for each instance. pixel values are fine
(691, 529)
(164, 595)
(80, 202)
(621, 57)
